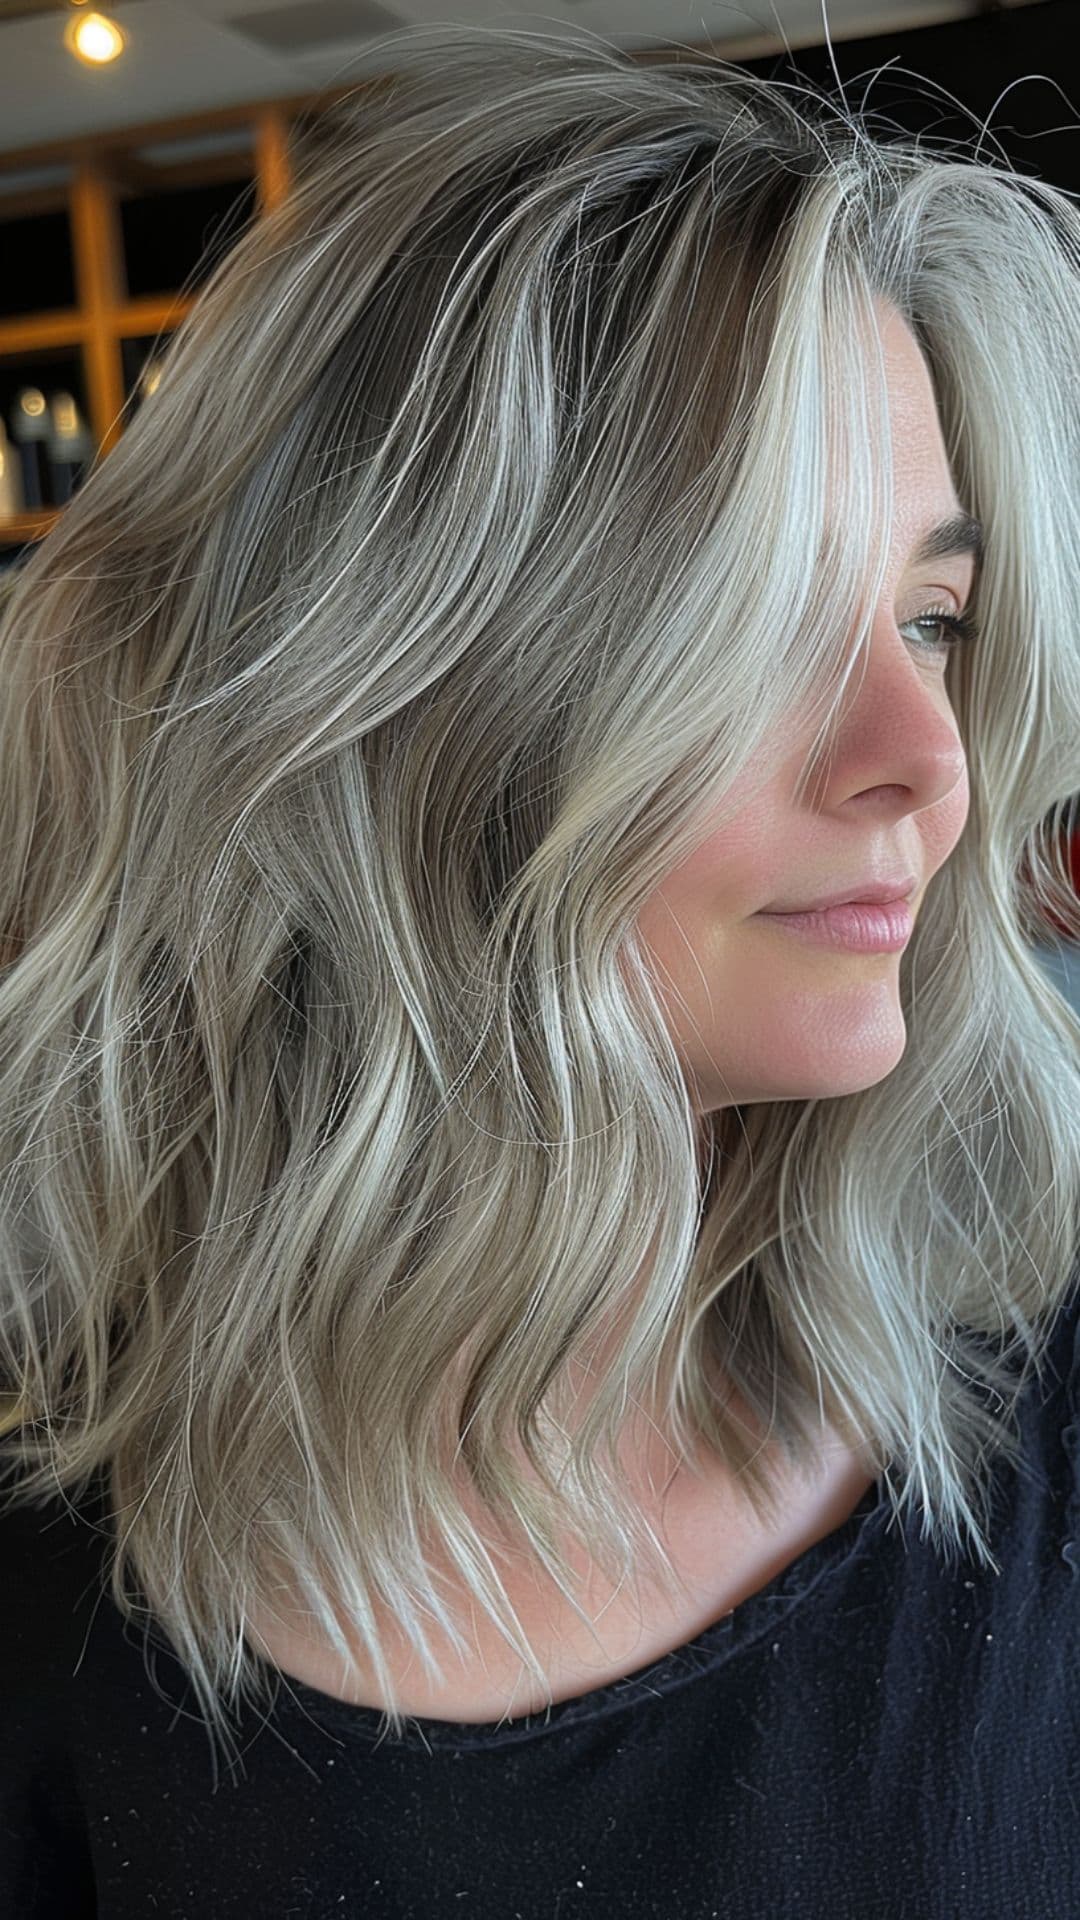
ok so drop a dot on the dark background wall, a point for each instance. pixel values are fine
(1019, 67)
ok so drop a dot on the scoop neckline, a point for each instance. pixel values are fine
(732, 1634)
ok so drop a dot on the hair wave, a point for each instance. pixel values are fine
(472, 542)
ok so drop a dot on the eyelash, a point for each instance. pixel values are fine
(960, 627)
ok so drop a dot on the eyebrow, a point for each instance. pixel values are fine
(961, 534)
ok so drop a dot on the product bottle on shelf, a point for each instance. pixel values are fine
(29, 425)
(12, 500)
(69, 446)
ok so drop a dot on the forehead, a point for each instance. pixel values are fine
(929, 518)
(917, 443)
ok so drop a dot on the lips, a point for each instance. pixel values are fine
(853, 927)
(870, 893)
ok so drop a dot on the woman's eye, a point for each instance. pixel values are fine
(949, 628)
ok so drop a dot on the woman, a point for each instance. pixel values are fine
(486, 1247)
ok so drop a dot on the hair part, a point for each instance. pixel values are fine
(506, 488)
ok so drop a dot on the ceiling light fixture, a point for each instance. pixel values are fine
(92, 37)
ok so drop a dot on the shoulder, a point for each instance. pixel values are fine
(52, 1552)
(46, 1864)
(1063, 1353)
(1059, 1347)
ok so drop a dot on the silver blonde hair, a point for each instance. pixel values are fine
(505, 488)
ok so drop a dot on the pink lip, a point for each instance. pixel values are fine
(853, 926)
(873, 893)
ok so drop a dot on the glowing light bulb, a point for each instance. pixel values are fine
(94, 39)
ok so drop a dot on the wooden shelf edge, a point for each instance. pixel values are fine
(34, 524)
(30, 332)
(149, 313)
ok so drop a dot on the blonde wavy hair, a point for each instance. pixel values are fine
(505, 487)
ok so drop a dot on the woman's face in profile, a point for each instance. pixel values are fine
(755, 1012)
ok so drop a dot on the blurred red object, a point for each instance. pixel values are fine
(1050, 919)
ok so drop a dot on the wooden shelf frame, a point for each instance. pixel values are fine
(103, 171)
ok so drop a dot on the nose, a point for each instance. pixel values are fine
(896, 742)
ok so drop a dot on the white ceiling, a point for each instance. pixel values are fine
(184, 56)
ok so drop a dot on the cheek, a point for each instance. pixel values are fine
(940, 826)
(715, 885)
